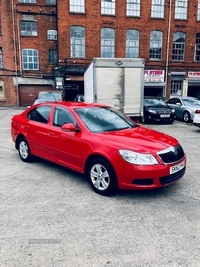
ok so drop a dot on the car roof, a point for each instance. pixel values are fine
(72, 104)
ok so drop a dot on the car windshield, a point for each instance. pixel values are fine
(104, 119)
(154, 102)
(191, 102)
(51, 95)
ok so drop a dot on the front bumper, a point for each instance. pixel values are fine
(148, 177)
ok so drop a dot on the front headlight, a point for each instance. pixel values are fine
(152, 111)
(138, 158)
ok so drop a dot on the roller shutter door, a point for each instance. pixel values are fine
(28, 93)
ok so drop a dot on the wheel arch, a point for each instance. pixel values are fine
(19, 137)
(94, 156)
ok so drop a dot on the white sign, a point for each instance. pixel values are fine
(194, 74)
(154, 76)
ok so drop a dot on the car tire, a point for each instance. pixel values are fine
(186, 116)
(142, 119)
(24, 150)
(102, 177)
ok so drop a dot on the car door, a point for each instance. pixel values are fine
(65, 147)
(37, 130)
(175, 104)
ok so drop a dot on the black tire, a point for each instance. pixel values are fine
(102, 177)
(186, 116)
(142, 119)
(24, 150)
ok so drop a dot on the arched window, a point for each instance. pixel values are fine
(155, 52)
(107, 42)
(132, 43)
(77, 41)
(178, 46)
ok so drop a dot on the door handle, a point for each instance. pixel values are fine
(51, 134)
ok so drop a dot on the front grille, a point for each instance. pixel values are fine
(172, 154)
(171, 178)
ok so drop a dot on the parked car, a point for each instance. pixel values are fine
(56, 95)
(100, 142)
(184, 106)
(196, 119)
(156, 110)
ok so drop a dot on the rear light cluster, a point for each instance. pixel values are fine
(197, 111)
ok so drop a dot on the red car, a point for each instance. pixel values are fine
(100, 142)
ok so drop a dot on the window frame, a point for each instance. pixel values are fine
(181, 12)
(178, 47)
(52, 35)
(158, 9)
(154, 36)
(31, 59)
(133, 8)
(77, 42)
(108, 7)
(77, 6)
(132, 50)
(106, 49)
(53, 56)
(27, 32)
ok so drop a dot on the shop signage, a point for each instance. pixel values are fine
(154, 76)
(194, 74)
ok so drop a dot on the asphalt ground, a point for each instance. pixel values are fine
(50, 217)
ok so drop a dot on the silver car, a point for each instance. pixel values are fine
(185, 107)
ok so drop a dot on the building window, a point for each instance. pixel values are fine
(77, 41)
(52, 35)
(51, 2)
(52, 56)
(198, 10)
(77, 6)
(30, 59)
(107, 42)
(133, 8)
(27, 1)
(132, 44)
(1, 58)
(108, 7)
(197, 48)
(155, 52)
(157, 8)
(28, 28)
(181, 8)
(176, 87)
(178, 46)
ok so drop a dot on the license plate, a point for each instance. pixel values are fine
(164, 115)
(177, 167)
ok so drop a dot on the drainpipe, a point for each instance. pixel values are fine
(15, 51)
(168, 44)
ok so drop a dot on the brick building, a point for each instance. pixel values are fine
(28, 49)
(64, 37)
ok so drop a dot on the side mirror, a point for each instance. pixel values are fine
(69, 127)
(178, 104)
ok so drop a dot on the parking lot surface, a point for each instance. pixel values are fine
(50, 217)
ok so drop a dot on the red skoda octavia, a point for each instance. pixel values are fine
(100, 142)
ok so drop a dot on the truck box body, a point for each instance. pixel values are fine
(118, 82)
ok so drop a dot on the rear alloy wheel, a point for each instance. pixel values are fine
(24, 150)
(186, 116)
(102, 177)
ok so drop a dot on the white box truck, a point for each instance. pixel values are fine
(118, 82)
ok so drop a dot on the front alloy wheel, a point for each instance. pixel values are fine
(102, 177)
(186, 116)
(24, 150)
